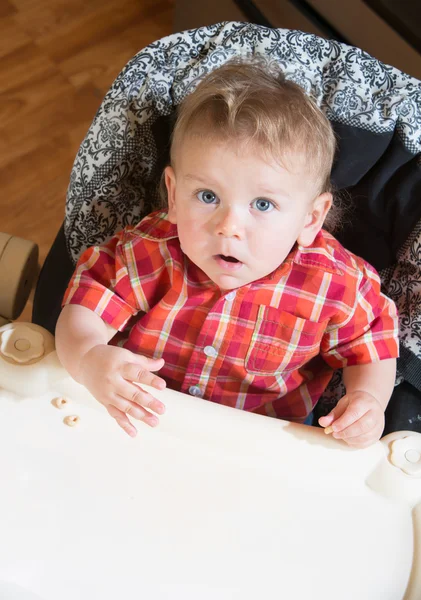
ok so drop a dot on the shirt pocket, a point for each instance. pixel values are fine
(282, 342)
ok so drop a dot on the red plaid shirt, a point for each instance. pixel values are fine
(268, 347)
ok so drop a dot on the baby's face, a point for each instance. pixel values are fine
(238, 216)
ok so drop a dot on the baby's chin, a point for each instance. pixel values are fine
(225, 283)
(228, 283)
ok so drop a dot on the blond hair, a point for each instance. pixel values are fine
(251, 101)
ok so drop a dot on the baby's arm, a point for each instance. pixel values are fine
(358, 418)
(107, 371)
(78, 330)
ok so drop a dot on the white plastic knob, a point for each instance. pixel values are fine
(21, 343)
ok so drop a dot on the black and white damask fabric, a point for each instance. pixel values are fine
(114, 181)
(403, 284)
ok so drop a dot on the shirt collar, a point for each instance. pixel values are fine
(157, 227)
(318, 256)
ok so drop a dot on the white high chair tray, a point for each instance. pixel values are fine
(213, 504)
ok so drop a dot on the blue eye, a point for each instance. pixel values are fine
(206, 196)
(263, 205)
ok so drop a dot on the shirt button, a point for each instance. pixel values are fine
(230, 296)
(210, 351)
(195, 390)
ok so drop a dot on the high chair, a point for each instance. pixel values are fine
(216, 502)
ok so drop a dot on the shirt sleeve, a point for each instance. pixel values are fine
(369, 333)
(102, 283)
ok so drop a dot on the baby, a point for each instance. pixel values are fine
(235, 293)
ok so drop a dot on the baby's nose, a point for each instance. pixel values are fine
(230, 224)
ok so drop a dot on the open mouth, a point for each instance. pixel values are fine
(227, 262)
(230, 259)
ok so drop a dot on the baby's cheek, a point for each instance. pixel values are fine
(274, 249)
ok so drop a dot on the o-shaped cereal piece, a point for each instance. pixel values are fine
(71, 420)
(59, 402)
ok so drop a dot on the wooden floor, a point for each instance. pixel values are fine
(57, 60)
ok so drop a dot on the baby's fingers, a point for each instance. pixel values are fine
(122, 420)
(136, 395)
(140, 371)
(335, 413)
(365, 440)
(357, 429)
(354, 411)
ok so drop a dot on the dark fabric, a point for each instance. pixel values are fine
(385, 196)
(52, 283)
(404, 409)
(358, 151)
(161, 131)
(409, 367)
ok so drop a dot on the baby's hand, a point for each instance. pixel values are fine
(108, 372)
(358, 419)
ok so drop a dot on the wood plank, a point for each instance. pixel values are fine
(41, 18)
(57, 112)
(93, 28)
(12, 36)
(23, 65)
(6, 9)
(22, 102)
(98, 63)
(25, 190)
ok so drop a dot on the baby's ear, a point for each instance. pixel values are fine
(169, 177)
(315, 219)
